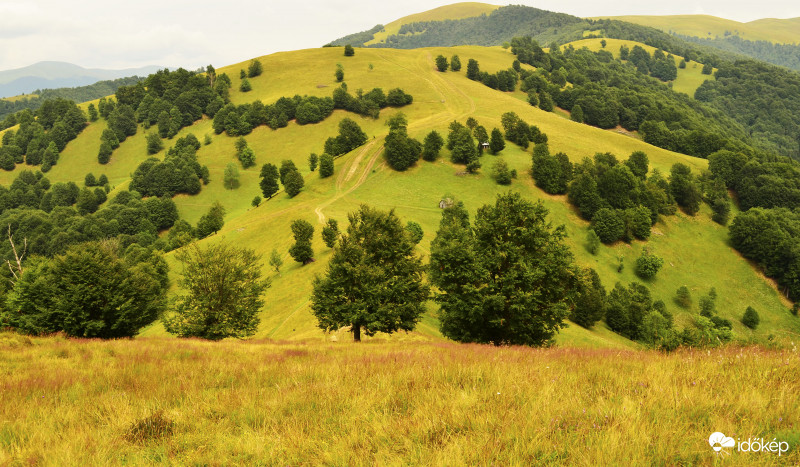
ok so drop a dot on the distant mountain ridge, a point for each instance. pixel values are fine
(52, 75)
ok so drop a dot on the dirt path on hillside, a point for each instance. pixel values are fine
(361, 179)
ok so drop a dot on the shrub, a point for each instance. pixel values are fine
(682, 297)
(750, 318)
(608, 225)
(648, 265)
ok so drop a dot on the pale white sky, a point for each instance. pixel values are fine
(114, 34)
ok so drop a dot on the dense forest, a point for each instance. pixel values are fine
(785, 55)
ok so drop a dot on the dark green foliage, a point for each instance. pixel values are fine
(473, 69)
(222, 287)
(608, 225)
(577, 113)
(256, 202)
(293, 183)
(401, 152)
(750, 318)
(330, 233)
(90, 180)
(592, 242)
(349, 51)
(255, 68)
(463, 149)
(95, 289)
(551, 173)
(683, 297)
(325, 166)
(87, 202)
(350, 137)
(269, 180)
(286, 167)
(301, 251)
(546, 102)
(684, 189)
(639, 164)
(707, 306)
(154, 143)
(500, 172)
(508, 280)
(648, 265)
(590, 301)
(339, 73)
(375, 251)
(398, 98)
(626, 309)
(441, 63)
(770, 238)
(245, 86)
(179, 172)
(474, 166)
(313, 159)
(93, 115)
(432, 145)
(415, 232)
(455, 63)
(247, 157)
(212, 221)
(497, 142)
(707, 69)
(637, 223)
(721, 208)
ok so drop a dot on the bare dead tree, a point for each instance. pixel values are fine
(16, 270)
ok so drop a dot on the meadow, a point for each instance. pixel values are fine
(188, 402)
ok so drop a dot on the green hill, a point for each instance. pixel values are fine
(693, 247)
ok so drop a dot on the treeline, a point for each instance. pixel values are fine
(179, 172)
(42, 135)
(242, 119)
(611, 93)
(762, 98)
(77, 94)
(768, 189)
(493, 29)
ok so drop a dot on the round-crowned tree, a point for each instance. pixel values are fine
(507, 280)
(222, 293)
(376, 251)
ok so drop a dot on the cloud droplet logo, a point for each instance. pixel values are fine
(718, 441)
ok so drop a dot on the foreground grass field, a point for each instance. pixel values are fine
(157, 401)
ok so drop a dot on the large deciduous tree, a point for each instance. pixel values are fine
(373, 281)
(508, 279)
(223, 289)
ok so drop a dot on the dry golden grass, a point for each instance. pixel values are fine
(181, 402)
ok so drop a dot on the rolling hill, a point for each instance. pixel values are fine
(693, 247)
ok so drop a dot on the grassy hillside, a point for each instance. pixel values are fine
(695, 249)
(783, 31)
(454, 11)
(689, 78)
(85, 402)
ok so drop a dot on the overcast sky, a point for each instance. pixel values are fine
(113, 34)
